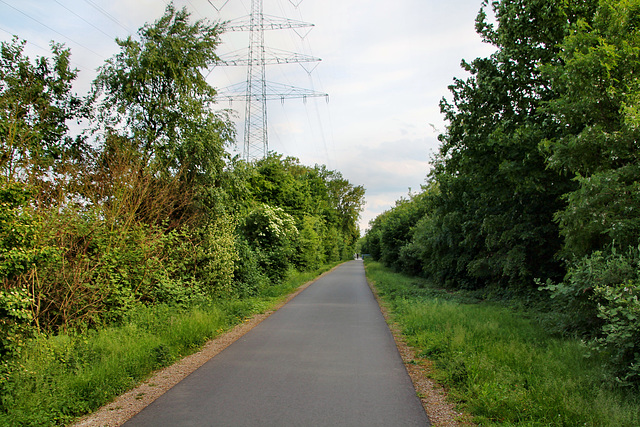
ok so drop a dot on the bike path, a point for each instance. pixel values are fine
(327, 358)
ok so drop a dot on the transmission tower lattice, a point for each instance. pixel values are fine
(256, 90)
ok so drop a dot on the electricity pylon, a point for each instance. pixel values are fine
(256, 90)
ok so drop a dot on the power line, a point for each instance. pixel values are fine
(47, 50)
(51, 29)
(94, 26)
(15, 35)
(108, 15)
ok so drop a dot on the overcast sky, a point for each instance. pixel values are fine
(385, 65)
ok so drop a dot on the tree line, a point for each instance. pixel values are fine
(534, 192)
(144, 205)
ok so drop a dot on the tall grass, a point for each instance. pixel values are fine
(59, 378)
(501, 364)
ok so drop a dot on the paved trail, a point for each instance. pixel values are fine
(327, 358)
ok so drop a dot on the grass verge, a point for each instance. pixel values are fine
(500, 364)
(62, 377)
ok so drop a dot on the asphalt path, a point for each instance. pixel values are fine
(327, 358)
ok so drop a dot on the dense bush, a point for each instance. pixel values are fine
(19, 253)
(310, 252)
(390, 236)
(620, 336)
(599, 298)
(249, 278)
(272, 233)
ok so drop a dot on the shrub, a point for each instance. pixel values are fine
(248, 277)
(208, 255)
(310, 251)
(620, 338)
(15, 319)
(272, 233)
(19, 252)
(576, 296)
(104, 269)
(599, 299)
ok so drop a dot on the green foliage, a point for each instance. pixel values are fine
(499, 364)
(599, 297)
(154, 89)
(18, 229)
(371, 241)
(249, 278)
(105, 270)
(620, 339)
(487, 217)
(598, 84)
(309, 254)
(19, 253)
(214, 257)
(303, 191)
(398, 227)
(15, 320)
(272, 232)
(576, 294)
(390, 237)
(604, 209)
(277, 182)
(35, 105)
(497, 198)
(268, 226)
(134, 223)
(102, 270)
(323, 205)
(537, 174)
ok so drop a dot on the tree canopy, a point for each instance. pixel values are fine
(35, 104)
(154, 93)
(536, 179)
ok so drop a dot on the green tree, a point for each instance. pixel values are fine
(273, 233)
(597, 108)
(398, 229)
(35, 104)
(371, 241)
(497, 197)
(347, 200)
(302, 191)
(155, 94)
(278, 182)
(310, 253)
(324, 206)
(597, 79)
